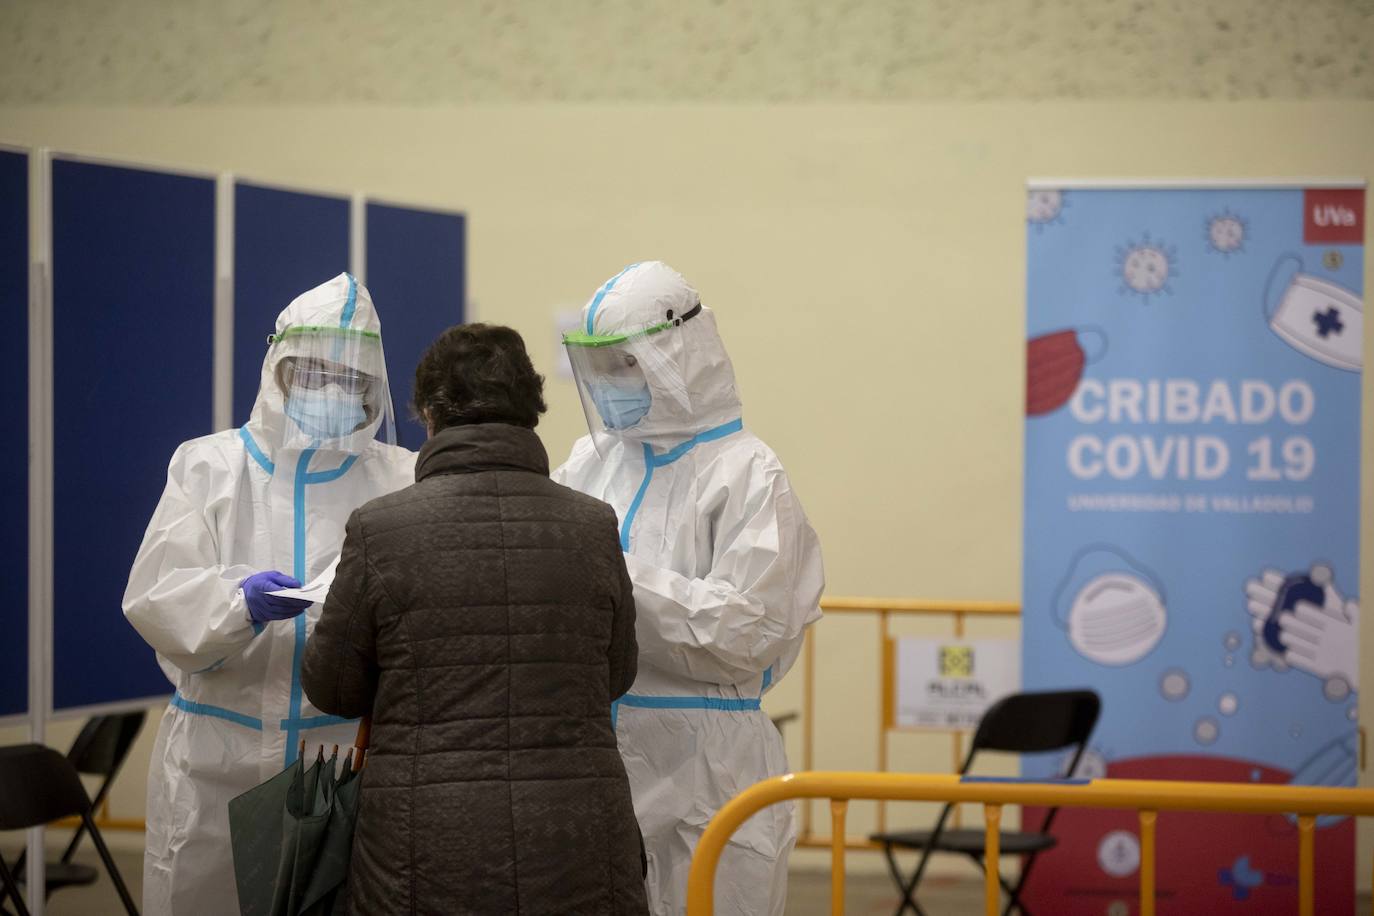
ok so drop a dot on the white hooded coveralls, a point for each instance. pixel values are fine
(236, 503)
(727, 575)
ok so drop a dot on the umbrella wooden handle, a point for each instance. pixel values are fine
(361, 742)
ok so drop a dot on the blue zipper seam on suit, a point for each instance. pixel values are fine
(295, 723)
(304, 477)
(652, 461)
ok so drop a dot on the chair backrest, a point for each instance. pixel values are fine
(1027, 723)
(104, 742)
(37, 785)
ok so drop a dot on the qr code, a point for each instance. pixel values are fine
(956, 661)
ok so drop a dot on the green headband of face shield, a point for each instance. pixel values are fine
(592, 341)
(303, 330)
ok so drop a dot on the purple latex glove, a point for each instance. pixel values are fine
(263, 607)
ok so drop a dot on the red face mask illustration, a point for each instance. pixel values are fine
(1054, 364)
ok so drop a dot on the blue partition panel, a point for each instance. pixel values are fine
(284, 244)
(417, 273)
(133, 325)
(14, 461)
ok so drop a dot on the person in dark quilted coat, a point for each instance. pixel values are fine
(484, 618)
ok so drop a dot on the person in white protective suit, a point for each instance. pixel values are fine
(727, 576)
(244, 513)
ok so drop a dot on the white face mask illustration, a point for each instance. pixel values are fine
(1319, 319)
(1113, 608)
(1116, 619)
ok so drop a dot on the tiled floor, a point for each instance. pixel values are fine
(808, 893)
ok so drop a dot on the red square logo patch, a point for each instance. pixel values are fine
(1333, 216)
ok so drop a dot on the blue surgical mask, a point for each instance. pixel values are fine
(327, 413)
(621, 402)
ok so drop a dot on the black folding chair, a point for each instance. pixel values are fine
(37, 786)
(784, 719)
(99, 750)
(1023, 723)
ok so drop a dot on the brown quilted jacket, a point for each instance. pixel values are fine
(484, 618)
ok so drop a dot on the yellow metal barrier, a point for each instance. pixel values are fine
(958, 612)
(1148, 797)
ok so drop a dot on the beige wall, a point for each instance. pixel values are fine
(863, 244)
(866, 262)
(250, 52)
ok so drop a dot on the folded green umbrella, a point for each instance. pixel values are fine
(292, 836)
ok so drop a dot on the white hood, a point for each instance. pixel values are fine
(648, 293)
(344, 303)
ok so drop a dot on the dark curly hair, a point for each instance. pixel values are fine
(478, 373)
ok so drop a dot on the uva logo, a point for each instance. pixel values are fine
(1329, 215)
(1333, 216)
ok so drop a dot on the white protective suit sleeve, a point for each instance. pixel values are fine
(183, 601)
(763, 588)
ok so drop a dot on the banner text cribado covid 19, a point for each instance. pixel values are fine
(1184, 402)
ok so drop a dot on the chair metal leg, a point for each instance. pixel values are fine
(11, 889)
(16, 869)
(907, 900)
(76, 841)
(1021, 884)
(909, 892)
(1013, 898)
(110, 866)
(1013, 901)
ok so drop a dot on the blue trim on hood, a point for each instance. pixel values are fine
(601, 294)
(351, 304)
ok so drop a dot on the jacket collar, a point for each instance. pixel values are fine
(482, 447)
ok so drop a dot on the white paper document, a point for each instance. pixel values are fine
(313, 591)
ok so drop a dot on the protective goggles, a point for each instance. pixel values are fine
(315, 374)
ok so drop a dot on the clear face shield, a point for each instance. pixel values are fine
(620, 377)
(334, 388)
